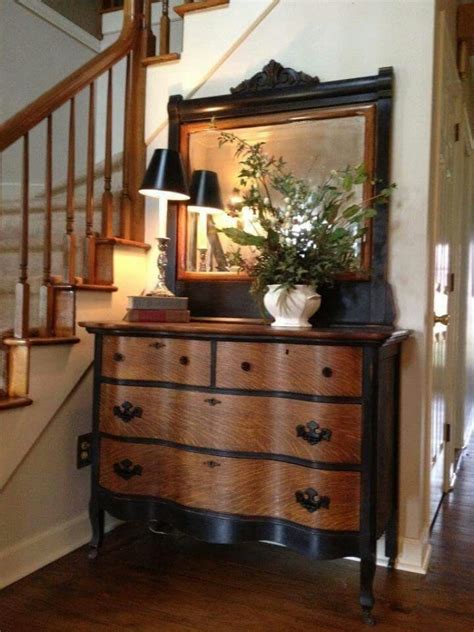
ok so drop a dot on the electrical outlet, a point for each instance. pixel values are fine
(84, 450)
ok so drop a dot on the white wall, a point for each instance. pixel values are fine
(43, 504)
(338, 39)
(34, 56)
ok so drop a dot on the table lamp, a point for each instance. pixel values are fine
(205, 199)
(164, 179)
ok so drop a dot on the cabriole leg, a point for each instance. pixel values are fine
(367, 573)
(391, 540)
(96, 516)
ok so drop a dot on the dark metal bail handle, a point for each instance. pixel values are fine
(127, 470)
(311, 500)
(127, 411)
(313, 433)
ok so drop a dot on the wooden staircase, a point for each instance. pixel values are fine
(65, 245)
(62, 241)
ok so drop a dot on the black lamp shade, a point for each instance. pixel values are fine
(205, 192)
(165, 176)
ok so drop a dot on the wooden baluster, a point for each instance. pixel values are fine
(165, 29)
(89, 244)
(70, 237)
(46, 290)
(126, 203)
(107, 198)
(22, 290)
(150, 39)
(136, 149)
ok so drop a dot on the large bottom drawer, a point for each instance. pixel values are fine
(248, 487)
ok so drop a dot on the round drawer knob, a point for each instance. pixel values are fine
(245, 366)
(118, 357)
(327, 371)
(184, 360)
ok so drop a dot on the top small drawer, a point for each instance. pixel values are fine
(311, 369)
(158, 359)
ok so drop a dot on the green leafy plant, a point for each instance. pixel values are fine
(309, 234)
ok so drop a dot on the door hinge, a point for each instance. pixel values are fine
(447, 433)
(456, 132)
(451, 282)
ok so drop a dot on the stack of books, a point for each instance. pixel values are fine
(157, 309)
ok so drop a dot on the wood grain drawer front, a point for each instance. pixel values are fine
(312, 369)
(249, 487)
(306, 430)
(160, 359)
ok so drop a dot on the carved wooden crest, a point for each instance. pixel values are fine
(272, 76)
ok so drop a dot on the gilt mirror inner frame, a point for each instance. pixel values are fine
(274, 96)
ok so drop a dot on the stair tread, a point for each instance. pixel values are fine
(14, 402)
(182, 9)
(161, 59)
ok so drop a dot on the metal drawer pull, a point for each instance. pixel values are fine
(127, 411)
(312, 433)
(311, 500)
(245, 366)
(157, 345)
(126, 470)
(212, 401)
(118, 357)
(184, 360)
(327, 371)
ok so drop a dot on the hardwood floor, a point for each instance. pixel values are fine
(144, 582)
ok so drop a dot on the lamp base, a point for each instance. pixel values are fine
(161, 289)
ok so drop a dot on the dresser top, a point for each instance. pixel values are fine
(231, 328)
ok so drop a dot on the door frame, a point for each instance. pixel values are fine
(443, 47)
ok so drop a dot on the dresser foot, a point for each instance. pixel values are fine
(391, 564)
(93, 552)
(367, 574)
(96, 517)
(367, 616)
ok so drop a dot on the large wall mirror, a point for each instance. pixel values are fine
(316, 127)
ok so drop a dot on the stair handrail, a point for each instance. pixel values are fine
(21, 123)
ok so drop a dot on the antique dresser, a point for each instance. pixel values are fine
(237, 432)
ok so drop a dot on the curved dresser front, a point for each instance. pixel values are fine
(235, 432)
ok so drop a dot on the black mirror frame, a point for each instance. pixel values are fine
(278, 89)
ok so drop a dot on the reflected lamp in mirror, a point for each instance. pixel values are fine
(205, 201)
(165, 180)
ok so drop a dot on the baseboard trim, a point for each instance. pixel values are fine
(31, 554)
(63, 24)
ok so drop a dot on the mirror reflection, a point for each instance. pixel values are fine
(311, 148)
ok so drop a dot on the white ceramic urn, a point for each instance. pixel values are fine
(291, 308)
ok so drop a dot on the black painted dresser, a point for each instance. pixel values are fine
(239, 432)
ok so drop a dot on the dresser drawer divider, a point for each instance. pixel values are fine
(323, 399)
(266, 456)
